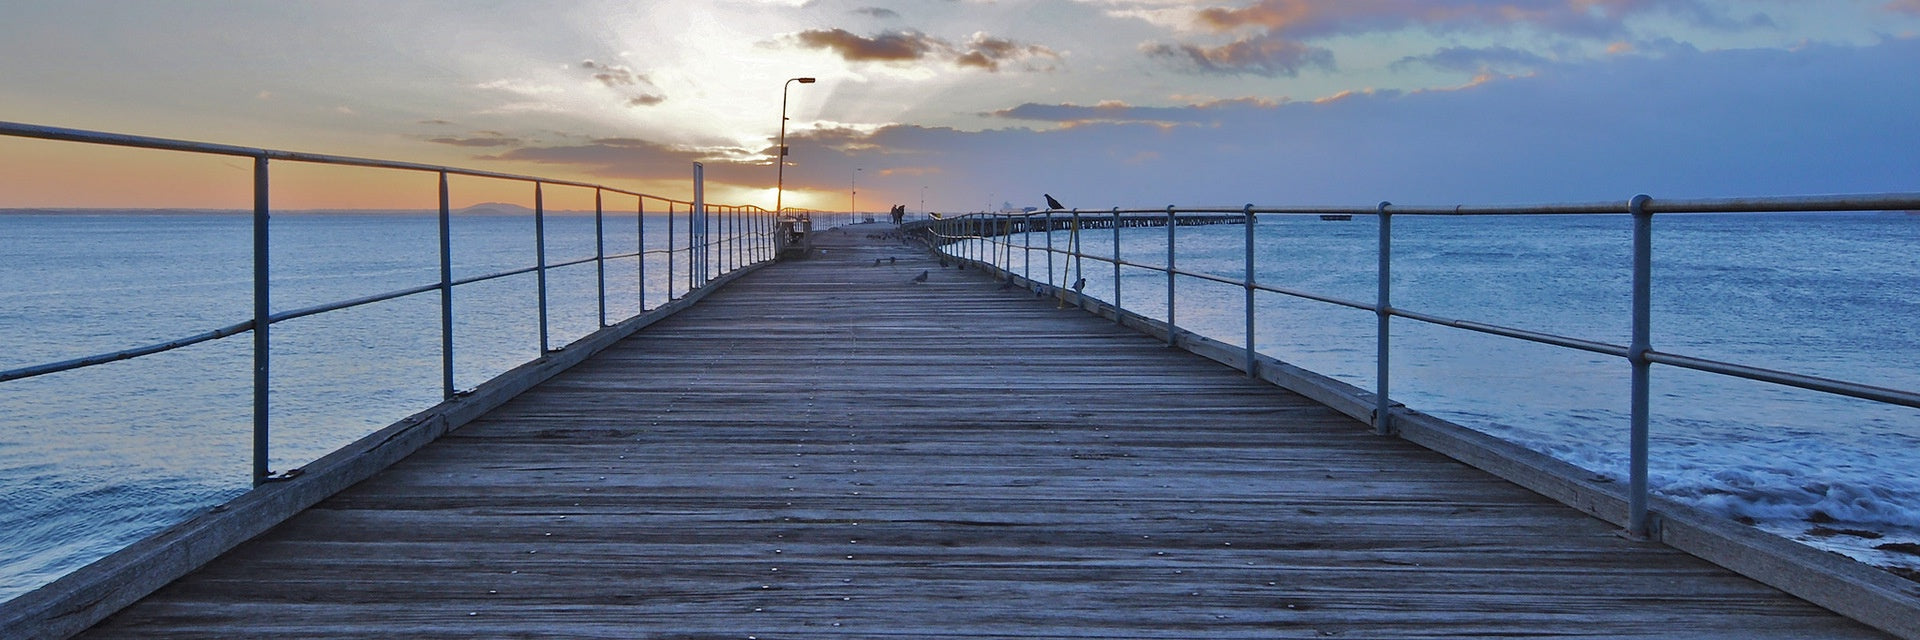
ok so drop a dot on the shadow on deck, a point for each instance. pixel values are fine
(826, 448)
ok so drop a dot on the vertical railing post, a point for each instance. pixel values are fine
(640, 246)
(1252, 371)
(1116, 266)
(1050, 281)
(1383, 318)
(1638, 525)
(1172, 328)
(446, 291)
(540, 256)
(1026, 250)
(670, 277)
(262, 320)
(1077, 261)
(600, 253)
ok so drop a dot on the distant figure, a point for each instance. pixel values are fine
(899, 214)
(920, 278)
(1052, 203)
(891, 259)
(876, 262)
(943, 263)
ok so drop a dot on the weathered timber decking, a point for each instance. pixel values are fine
(824, 449)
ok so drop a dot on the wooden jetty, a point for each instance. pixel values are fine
(826, 449)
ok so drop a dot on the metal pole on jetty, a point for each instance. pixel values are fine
(780, 159)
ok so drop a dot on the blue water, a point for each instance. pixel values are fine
(94, 459)
(1831, 295)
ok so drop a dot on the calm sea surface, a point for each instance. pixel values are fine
(94, 459)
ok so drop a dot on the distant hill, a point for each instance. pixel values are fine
(495, 209)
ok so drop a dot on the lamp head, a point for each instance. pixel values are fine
(805, 80)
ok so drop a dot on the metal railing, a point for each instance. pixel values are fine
(993, 247)
(719, 239)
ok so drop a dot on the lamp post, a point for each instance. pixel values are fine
(780, 174)
(853, 194)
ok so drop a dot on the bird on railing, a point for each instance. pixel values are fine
(1080, 284)
(920, 278)
(1052, 203)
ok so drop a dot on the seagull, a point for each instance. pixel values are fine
(920, 278)
(891, 259)
(1052, 203)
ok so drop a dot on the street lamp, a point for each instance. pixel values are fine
(853, 194)
(780, 174)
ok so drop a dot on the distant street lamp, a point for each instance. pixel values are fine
(780, 174)
(853, 193)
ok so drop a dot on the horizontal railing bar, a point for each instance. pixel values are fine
(569, 263)
(495, 276)
(167, 144)
(350, 303)
(1812, 383)
(1784, 204)
(1510, 332)
(127, 354)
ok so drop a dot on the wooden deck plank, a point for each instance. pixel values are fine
(824, 449)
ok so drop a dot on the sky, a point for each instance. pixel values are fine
(961, 105)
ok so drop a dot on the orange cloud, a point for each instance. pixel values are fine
(981, 51)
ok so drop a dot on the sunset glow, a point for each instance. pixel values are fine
(1116, 102)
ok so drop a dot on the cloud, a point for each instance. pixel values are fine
(878, 12)
(1819, 119)
(1903, 6)
(899, 46)
(1120, 112)
(980, 51)
(1315, 18)
(1262, 55)
(1281, 30)
(645, 100)
(613, 75)
(477, 141)
(1490, 59)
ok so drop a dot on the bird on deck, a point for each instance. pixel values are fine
(961, 265)
(1052, 203)
(943, 263)
(891, 259)
(920, 278)
(876, 262)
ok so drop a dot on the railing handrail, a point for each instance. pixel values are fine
(977, 226)
(21, 130)
(742, 235)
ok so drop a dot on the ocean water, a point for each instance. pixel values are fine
(1831, 295)
(96, 458)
